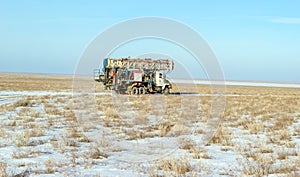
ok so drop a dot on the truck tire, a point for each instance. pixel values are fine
(135, 91)
(166, 91)
(142, 90)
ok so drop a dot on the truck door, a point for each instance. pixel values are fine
(159, 79)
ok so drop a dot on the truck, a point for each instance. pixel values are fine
(135, 76)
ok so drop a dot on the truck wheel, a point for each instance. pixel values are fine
(142, 90)
(166, 91)
(122, 91)
(135, 91)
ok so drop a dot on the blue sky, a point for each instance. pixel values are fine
(253, 40)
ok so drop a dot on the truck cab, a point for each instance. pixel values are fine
(161, 83)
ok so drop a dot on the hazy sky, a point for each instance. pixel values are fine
(253, 40)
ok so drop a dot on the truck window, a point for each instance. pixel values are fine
(160, 75)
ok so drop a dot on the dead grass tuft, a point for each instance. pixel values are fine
(3, 169)
(50, 165)
(186, 143)
(254, 127)
(199, 153)
(19, 154)
(96, 153)
(111, 113)
(22, 139)
(175, 166)
(180, 129)
(284, 134)
(260, 166)
(222, 136)
(23, 103)
(2, 133)
(164, 127)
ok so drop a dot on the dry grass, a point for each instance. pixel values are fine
(20, 153)
(260, 167)
(23, 138)
(164, 127)
(254, 127)
(23, 103)
(181, 129)
(264, 165)
(50, 166)
(199, 153)
(95, 153)
(222, 136)
(21, 82)
(2, 133)
(259, 123)
(3, 169)
(111, 113)
(175, 166)
(284, 134)
(186, 143)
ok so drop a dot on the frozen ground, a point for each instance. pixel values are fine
(45, 133)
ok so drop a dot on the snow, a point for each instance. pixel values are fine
(128, 157)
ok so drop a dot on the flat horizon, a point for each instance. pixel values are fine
(187, 79)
